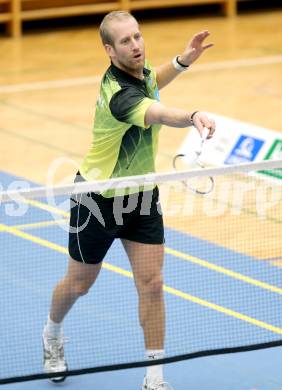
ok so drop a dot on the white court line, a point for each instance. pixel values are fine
(210, 66)
(53, 84)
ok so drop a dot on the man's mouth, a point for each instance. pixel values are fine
(139, 55)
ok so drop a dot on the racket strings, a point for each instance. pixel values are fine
(201, 185)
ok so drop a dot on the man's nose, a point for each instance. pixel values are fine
(134, 44)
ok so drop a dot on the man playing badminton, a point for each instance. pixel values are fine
(127, 122)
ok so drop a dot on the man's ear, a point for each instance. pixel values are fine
(110, 50)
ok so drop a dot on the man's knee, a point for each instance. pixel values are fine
(80, 277)
(154, 286)
(79, 287)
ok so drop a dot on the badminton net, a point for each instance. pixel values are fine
(222, 273)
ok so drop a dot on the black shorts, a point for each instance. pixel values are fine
(95, 221)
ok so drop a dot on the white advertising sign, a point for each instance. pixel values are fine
(236, 142)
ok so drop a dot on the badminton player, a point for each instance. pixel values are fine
(127, 121)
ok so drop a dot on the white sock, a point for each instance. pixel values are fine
(154, 373)
(53, 329)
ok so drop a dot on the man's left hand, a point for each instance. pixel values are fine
(195, 48)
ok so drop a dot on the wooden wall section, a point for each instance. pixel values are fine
(14, 12)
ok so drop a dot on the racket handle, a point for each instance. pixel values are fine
(205, 133)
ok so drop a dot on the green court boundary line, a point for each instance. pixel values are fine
(128, 274)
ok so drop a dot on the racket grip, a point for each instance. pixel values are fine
(205, 133)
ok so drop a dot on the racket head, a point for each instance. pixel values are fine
(201, 185)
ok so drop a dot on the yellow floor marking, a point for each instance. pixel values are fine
(36, 225)
(186, 257)
(225, 271)
(47, 207)
(170, 290)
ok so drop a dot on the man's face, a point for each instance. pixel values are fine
(127, 51)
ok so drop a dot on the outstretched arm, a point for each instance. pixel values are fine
(167, 72)
(174, 117)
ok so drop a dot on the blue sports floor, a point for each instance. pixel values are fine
(215, 298)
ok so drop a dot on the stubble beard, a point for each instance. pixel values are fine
(131, 66)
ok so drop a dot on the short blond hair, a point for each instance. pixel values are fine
(104, 29)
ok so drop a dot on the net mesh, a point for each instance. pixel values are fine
(222, 273)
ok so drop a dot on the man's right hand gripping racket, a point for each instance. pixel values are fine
(201, 185)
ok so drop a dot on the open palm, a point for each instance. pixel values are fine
(195, 47)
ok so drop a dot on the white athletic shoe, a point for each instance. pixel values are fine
(155, 386)
(53, 356)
